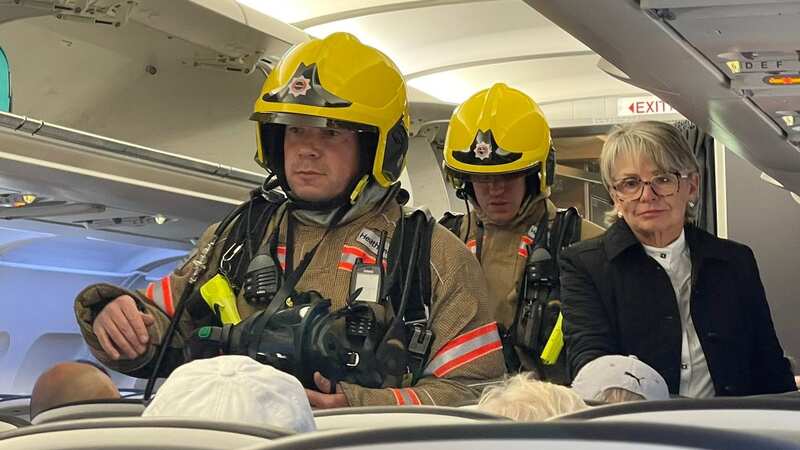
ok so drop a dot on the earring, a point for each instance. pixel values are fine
(691, 204)
(619, 214)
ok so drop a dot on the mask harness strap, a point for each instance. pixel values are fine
(479, 240)
(469, 221)
(199, 268)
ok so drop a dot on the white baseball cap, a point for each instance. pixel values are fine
(617, 371)
(234, 388)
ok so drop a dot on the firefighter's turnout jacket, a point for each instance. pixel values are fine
(504, 253)
(466, 347)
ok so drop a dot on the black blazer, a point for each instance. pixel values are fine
(618, 300)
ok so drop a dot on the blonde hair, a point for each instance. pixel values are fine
(658, 142)
(619, 395)
(525, 399)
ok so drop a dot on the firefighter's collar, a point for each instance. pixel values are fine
(372, 196)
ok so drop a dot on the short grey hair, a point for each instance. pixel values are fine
(659, 142)
(525, 399)
(619, 395)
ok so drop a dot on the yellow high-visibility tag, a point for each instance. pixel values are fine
(554, 344)
(218, 294)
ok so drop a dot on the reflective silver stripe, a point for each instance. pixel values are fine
(407, 399)
(452, 354)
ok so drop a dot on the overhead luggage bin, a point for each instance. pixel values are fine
(372, 417)
(527, 436)
(680, 50)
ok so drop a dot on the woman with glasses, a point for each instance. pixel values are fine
(683, 301)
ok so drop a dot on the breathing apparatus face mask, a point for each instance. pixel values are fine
(303, 338)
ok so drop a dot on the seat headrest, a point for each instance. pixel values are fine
(396, 416)
(137, 432)
(11, 423)
(95, 409)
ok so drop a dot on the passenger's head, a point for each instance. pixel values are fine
(619, 395)
(233, 389)
(332, 121)
(652, 177)
(525, 399)
(70, 382)
(498, 151)
(617, 378)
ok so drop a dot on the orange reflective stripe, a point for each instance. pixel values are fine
(149, 291)
(281, 253)
(413, 397)
(405, 396)
(351, 254)
(166, 287)
(397, 397)
(464, 349)
(524, 242)
(161, 295)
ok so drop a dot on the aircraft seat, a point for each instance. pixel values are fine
(95, 409)
(731, 413)
(140, 433)
(526, 436)
(8, 423)
(15, 406)
(394, 416)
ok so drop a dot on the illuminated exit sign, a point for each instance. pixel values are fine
(643, 106)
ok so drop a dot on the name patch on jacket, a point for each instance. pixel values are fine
(369, 239)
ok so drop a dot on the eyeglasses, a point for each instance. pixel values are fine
(663, 185)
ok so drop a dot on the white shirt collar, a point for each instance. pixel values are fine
(666, 256)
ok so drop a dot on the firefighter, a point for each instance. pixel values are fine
(499, 156)
(332, 126)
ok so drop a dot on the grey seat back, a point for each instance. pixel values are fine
(16, 406)
(395, 416)
(527, 436)
(137, 433)
(8, 423)
(728, 413)
(90, 410)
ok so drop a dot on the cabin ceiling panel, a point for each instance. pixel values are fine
(545, 80)
(300, 10)
(457, 49)
(451, 34)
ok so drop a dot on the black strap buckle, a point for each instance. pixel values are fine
(421, 340)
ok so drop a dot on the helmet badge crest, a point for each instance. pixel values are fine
(299, 86)
(483, 150)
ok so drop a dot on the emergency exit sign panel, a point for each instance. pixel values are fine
(642, 106)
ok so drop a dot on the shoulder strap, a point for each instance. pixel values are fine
(247, 233)
(452, 221)
(399, 251)
(565, 231)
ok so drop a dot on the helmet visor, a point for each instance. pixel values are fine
(303, 120)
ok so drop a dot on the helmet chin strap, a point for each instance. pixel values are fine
(347, 198)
